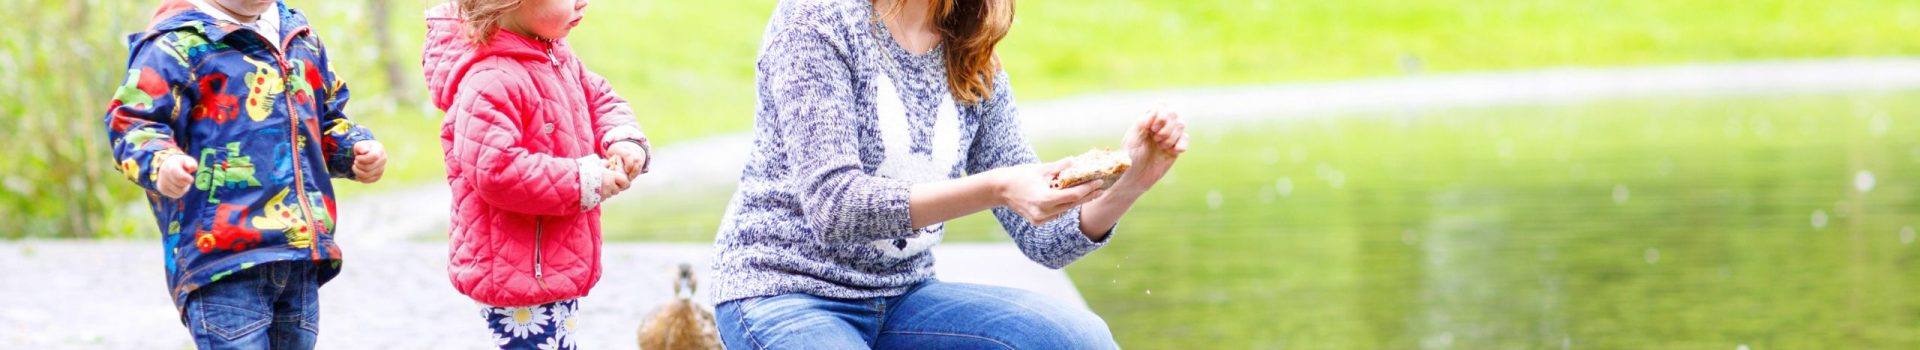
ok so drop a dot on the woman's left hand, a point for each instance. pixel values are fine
(1154, 142)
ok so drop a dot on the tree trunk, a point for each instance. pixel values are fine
(397, 87)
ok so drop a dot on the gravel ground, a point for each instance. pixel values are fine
(112, 294)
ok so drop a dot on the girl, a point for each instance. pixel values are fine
(528, 138)
(878, 121)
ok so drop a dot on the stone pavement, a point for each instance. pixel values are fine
(392, 295)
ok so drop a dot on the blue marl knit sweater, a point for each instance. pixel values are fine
(839, 137)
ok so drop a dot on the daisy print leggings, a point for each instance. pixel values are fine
(545, 327)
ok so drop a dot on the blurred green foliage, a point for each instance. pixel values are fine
(56, 171)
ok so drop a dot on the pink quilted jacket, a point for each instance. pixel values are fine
(524, 123)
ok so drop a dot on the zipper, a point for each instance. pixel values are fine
(293, 132)
(539, 273)
(551, 59)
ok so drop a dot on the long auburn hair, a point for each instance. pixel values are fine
(970, 29)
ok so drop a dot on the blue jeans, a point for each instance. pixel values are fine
(271, 306)
(933, 315)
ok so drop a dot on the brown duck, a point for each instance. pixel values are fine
(681, 323)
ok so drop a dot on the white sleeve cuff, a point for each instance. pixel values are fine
(591, 167)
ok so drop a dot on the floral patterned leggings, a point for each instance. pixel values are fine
(546, 326)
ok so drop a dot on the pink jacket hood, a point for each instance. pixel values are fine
(448, 54)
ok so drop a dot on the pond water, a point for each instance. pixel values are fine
(1765, 222)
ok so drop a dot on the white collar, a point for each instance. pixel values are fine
(268, 25)
(272, 13)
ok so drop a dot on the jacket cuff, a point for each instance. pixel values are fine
(628, 132)
(155, 161)
(591, 167)
(645, 150)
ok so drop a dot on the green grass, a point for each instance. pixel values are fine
(1062, 48)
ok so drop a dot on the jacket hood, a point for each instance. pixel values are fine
(448, 53)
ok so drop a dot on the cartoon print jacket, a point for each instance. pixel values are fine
(265, 124)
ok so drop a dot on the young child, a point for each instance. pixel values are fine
(534, 142)
(231, 119)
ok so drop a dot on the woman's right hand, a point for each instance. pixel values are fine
(1025, 190)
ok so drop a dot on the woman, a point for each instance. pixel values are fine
(869, 115)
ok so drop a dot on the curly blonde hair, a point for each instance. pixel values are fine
(483, 17)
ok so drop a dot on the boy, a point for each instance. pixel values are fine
(231, 119)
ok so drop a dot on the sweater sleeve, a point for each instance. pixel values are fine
(1001, 143)
(809, 86)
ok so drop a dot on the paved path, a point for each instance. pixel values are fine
(112, 294)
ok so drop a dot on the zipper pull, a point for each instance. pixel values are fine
(539, 278)
(551, 59)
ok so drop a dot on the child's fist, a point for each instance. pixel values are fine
(631, 158)
(369, 161)
(612, 182)
(176, 175)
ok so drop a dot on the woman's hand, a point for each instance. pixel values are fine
(1154, 142)
(1024, 189)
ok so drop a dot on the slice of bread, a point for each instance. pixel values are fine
(1095, 165)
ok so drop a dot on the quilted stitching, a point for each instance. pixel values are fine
(515, 131)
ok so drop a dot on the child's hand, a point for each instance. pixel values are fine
(176, 175)
(369, 161)
(631, 157)
(612, 182)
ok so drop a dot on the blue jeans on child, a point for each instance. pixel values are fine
(271, 306)
(932, 315)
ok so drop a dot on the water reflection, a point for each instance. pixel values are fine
(1619, 224)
